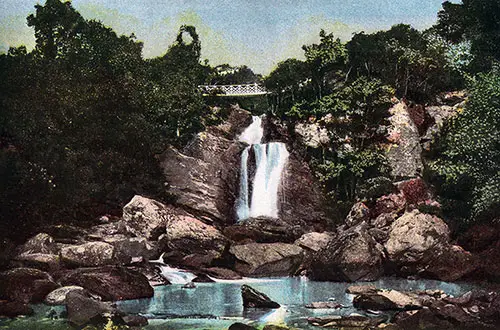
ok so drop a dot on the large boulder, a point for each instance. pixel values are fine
(386, 300)
(41, 243)
(58, 296)
(146, 217)
(352, 256)
(188, 235)
(451, 263)
(82, 309)
(46, 262)
(263, 230)
(314, 241)
(88, 254)
(267, 259)
(419, 243)
(415, 237)
(404, 153)
(255, 299)
(128, 249)
(110, 282)
(26, 285)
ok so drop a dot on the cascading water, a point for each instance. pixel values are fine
(270, 160)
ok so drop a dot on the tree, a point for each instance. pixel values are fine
(326, 62)
(465, 163)
(289, 83)
(358, 111)
(476, 21)
(416, 64)
(175, 105)
(78, 141)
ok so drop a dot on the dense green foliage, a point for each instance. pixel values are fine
(466, 163)
(476, 22)
(415, 63)
(466, 155)
(83, 116)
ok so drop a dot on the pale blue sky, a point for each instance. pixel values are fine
(258, 33)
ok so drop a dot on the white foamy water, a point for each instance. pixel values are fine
(176, 275)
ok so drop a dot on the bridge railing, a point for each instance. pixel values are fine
(233, 90)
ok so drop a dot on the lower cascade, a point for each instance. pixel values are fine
(270, 160)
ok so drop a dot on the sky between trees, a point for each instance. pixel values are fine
(256, 33)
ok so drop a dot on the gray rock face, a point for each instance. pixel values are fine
(205, 176)
(273, 259)
(88, 254)
(404, 154)
(58, 296)
(352, 256)
(255, 299)
(110, 282)
(302, 201)
(26, 285)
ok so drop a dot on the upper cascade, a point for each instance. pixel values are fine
(270, 159)
(253, 134)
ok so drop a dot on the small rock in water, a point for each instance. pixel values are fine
(361, 289)
(323, 305)
(135, 320)
(275, 327)
(352, 321)
(241, 326)
(189, 285)
(202, 278)
(256, 299)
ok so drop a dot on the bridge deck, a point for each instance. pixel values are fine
(233, 90)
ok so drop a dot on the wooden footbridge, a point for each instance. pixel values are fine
(233, 90)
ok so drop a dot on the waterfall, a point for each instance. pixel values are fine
(176, 275)
(270, 159)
